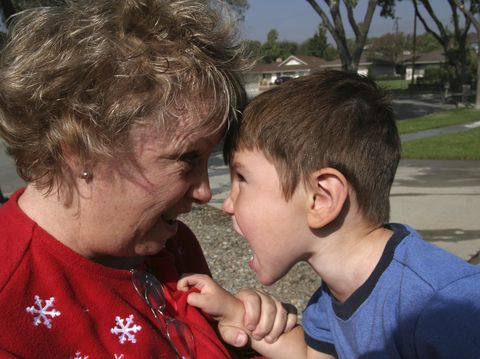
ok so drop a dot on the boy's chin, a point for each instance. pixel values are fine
(267, 280)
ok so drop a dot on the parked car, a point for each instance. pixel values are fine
(282, 79)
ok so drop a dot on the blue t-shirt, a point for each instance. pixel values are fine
(419, 302)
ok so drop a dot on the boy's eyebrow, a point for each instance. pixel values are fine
(237, 165)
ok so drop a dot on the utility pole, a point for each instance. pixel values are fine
(395, 52)
(414, 44)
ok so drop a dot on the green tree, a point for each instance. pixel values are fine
(287, 48)
(336, 27)
(240, 7)
(7, 8)
(253, 48)
(270, 49)
(427, 43)
(318, 46)
(273, 49)
(453, 41)
(470, 13)
(26, 4)
(388, 46)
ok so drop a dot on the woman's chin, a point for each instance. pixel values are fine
(149, 248)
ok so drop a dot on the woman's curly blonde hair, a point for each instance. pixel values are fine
(78, 76)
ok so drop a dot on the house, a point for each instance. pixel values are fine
(368, 65)
(421, 62)
(262, 76)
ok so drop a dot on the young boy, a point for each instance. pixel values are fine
(312, 164)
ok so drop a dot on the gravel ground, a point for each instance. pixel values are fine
(227, 254)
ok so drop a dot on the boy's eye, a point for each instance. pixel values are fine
(239, 177)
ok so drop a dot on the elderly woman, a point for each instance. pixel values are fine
(110, 109)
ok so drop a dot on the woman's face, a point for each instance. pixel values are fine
(134, 204)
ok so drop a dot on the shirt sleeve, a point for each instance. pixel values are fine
(316, 323)
(449, 326)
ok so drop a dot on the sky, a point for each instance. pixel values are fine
(295, 20)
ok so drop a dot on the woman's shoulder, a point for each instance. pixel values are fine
(15, 238)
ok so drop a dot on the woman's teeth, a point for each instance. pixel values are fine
(169, 220)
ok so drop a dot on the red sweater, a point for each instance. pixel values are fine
(55, 303)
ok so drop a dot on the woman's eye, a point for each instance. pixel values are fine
(191, 159)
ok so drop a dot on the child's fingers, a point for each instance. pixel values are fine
(267, 316)
(252, 304)
(278, 324)
(281, 324)
(198, 300)
(292, 318)
(193, 280)
(212, 305)
(233, 335)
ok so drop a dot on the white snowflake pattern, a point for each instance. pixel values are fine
(119, 356)
(78, 355)
(41, 312)
(125, 330)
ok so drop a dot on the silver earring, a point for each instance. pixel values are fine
(86, 175)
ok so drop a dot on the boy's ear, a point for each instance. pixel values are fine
(327, 195)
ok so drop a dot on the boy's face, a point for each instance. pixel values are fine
(276, 230)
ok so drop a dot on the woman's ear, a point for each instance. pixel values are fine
(328, 191)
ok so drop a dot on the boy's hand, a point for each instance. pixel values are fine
(265, 316)
(220, 304)
(212, 299)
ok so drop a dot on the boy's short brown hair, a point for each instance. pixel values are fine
(329, 119)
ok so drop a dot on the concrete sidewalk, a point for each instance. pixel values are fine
(439, 131)
(441, 199)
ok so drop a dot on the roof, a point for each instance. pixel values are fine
(436, 56)
(313, 63)
(338, 63)
(291, 63)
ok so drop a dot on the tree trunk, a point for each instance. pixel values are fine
(8, 8)
(470, 14)
(477, 97)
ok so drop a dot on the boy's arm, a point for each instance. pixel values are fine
(265, 316)
(230, 311)
(289, 345)
(253, 311)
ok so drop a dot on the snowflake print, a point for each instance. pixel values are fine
(41, 312)
(78, 355)
(125, 330)
(121, 356)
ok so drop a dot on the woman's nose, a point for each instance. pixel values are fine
(201, 192)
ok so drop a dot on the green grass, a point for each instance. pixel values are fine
(457, 146)
(393, 84)
(439, 119)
